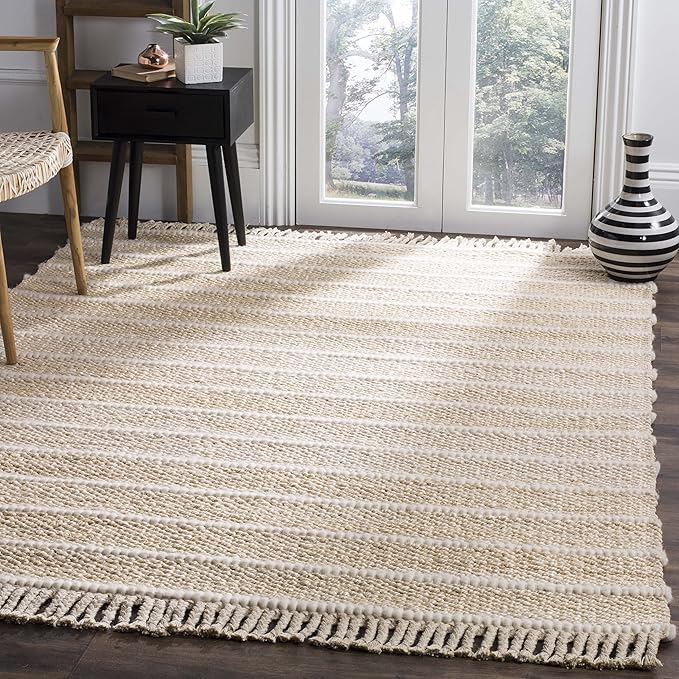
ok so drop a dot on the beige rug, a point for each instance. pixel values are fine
(361, 441)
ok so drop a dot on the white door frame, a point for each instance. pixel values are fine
(614, 108)
(277, 94)
(277, 102)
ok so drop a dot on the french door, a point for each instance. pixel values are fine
(466, 116)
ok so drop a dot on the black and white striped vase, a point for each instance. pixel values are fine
(634, 237)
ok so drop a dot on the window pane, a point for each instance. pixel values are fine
(522, 63)
(371, 99)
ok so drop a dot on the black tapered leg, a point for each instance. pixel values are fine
(235, 193)
(214, 163)
(136, 163)
(115, 184)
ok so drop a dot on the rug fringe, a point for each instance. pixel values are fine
(400, 238)
(163, 617)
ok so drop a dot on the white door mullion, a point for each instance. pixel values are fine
(459, 113)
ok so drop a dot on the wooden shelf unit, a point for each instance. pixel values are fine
(74, 79)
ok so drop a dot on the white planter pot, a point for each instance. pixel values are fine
(199, 63)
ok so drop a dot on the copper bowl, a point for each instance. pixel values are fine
(154, 56)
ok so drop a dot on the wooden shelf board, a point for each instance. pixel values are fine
(82, 80)
(155, 154)
(117, 8)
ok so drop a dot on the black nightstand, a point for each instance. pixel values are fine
(213, 115)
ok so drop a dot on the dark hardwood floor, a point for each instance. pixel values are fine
(59, 653)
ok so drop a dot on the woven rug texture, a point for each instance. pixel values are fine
(392, 443)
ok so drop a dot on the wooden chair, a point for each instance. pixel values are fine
(29, 160)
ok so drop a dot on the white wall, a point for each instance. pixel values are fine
(655, 93)
(101, 43)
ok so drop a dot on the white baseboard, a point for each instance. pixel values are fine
(157, 194)
(248, 156)
(664, 172)
(665, 183)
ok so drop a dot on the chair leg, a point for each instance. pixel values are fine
(6, 314)
(72, 216)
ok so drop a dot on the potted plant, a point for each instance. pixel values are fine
(199, 55)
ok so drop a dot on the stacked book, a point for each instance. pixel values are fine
(144, 75)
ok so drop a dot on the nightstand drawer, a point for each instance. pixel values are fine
(160, 115)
